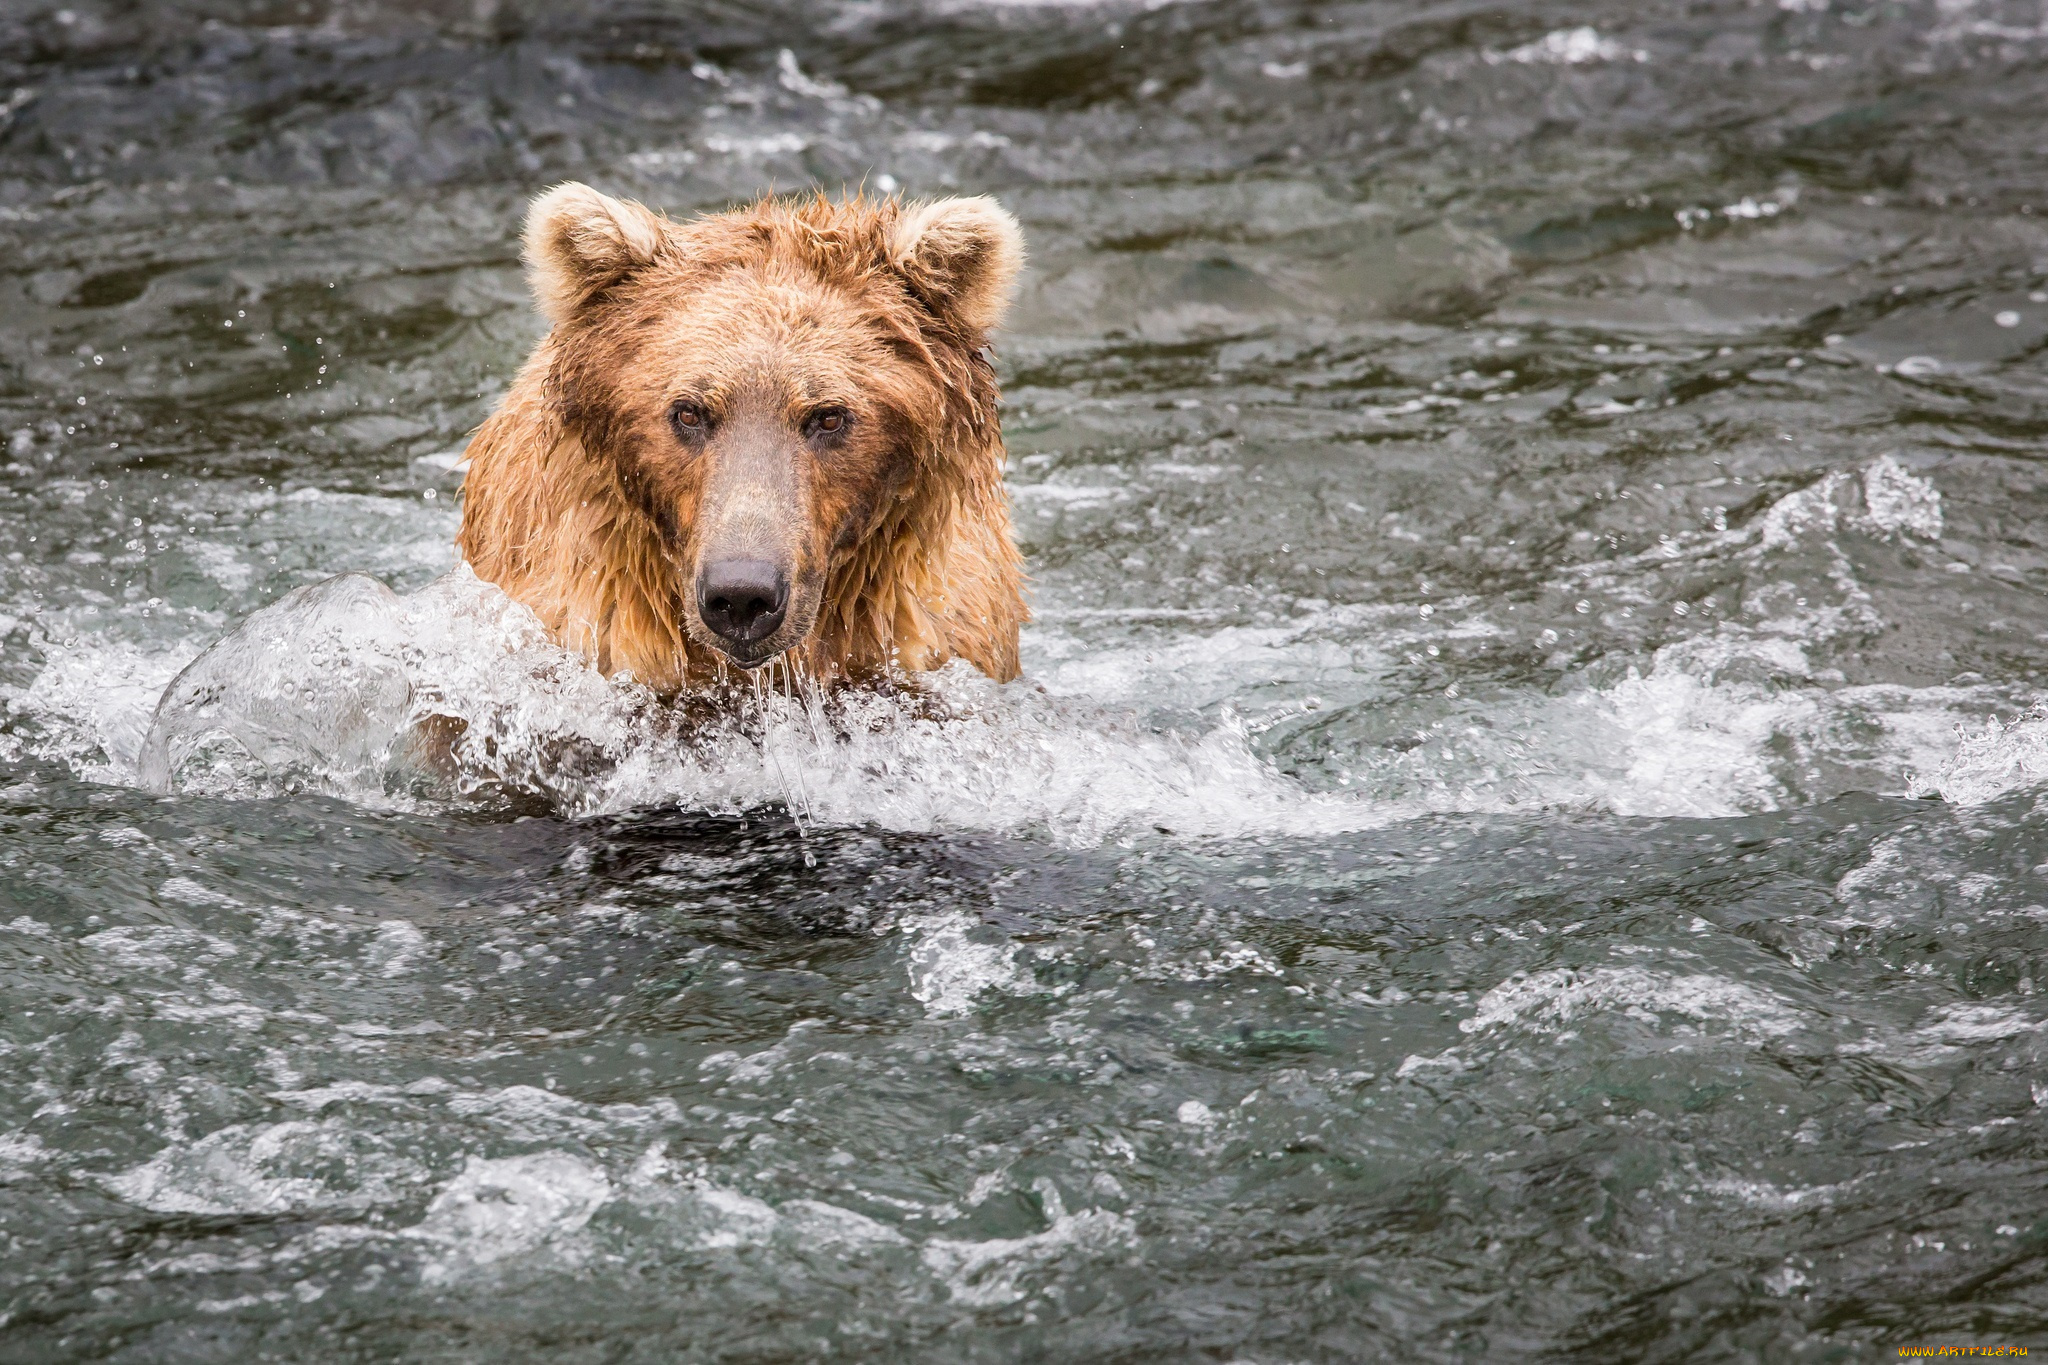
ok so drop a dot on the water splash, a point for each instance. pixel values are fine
(1993, 758)
(503, 1207)
(456, 694)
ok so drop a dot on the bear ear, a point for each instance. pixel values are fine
(961, 256)
(579, 241)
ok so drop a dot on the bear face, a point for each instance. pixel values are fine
(767, 434)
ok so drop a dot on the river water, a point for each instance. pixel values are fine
(1521, 835)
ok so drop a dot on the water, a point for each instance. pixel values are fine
(1521, 835)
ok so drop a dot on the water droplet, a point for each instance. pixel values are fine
(2008, 318)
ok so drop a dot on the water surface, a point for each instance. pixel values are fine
(1521, 835)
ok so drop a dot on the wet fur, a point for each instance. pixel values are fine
(576, 504)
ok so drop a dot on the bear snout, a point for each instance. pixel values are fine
(742, 601)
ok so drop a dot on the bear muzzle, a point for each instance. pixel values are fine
(742, 602)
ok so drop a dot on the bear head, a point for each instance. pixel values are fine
(787, 394)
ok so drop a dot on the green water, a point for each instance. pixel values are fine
(1520, 836)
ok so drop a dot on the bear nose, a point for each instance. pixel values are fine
(742, 600)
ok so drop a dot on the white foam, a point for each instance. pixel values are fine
(1197, 671)
(398, 948)
(528, 1113)
(317, 678)
(340, 1092)
(159, 947)
(268, 1168)
(1691, 747)
(1763, 1194)
(94, 697)
(325, 686)
(1550, 1001)
(949, 969)
(328, 687)
(1960, 1024)
(507, 1206)
(710, 1216)
(222, 563)
(19, 1151)
(1569, 47)
(1897, 501)
(1668, 740)
(1945, 1030)
(987, 1274)
(814, 1221)
(758, 1066)
(757, 145)
(1717, 725)
(1893, 501)
(1993, 758)
(192, 893)
(1884, 874)
(734, 1219)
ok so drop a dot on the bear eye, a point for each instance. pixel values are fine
(827, 422)
(689, 419)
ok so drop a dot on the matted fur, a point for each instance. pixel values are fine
(580, 503)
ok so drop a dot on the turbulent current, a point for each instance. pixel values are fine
(1523, 834)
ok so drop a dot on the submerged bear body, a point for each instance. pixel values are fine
(765, 435)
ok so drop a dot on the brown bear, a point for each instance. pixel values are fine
(764, 434)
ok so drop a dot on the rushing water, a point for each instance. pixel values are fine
(1521, 835)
